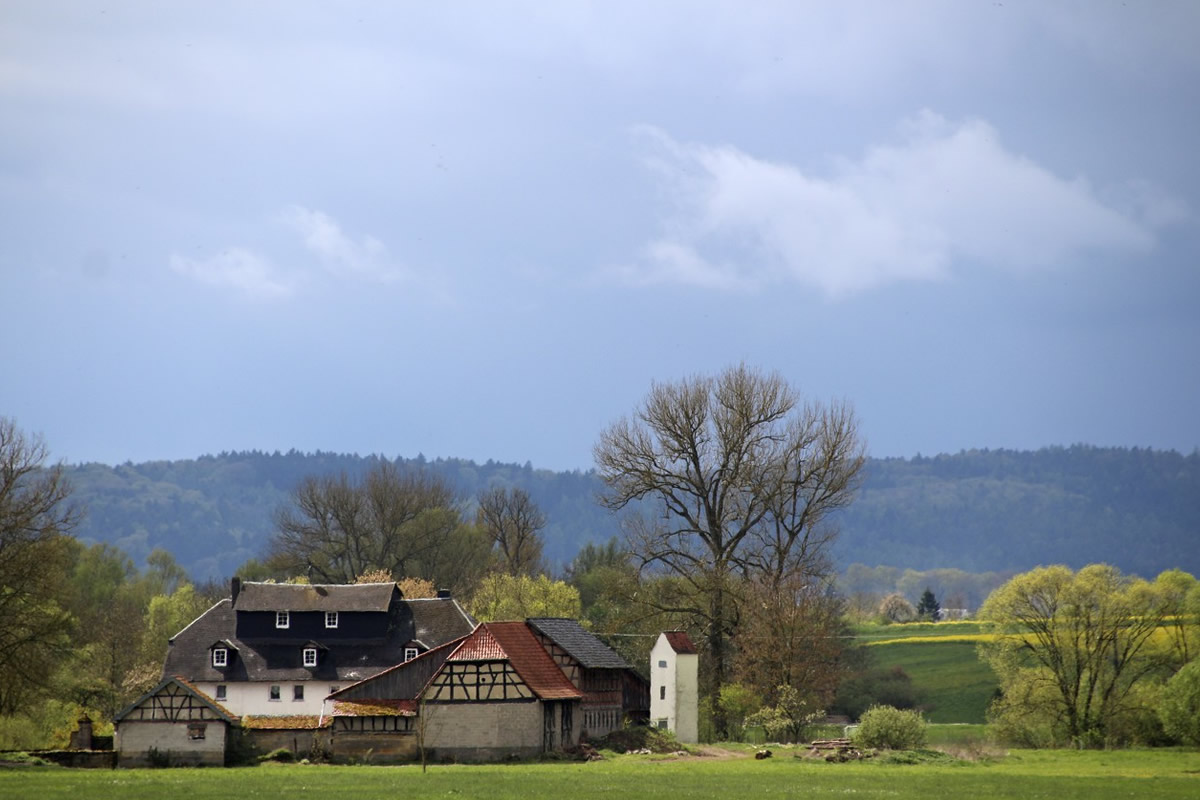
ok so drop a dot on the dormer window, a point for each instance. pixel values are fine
(330, 619)
(282, 619)
(310, 656)
(220, 657)
(410, 653)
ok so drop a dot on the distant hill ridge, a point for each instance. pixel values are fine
(978, 510)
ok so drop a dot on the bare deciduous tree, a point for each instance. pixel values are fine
(513, 522)
(740, 475)
(405, 523)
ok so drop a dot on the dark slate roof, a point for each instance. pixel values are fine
(278, 657)
(584, 647)
(315, 597)
(405, 681)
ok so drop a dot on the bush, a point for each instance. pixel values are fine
(1179, 705)
(890, 728)
(282, 755)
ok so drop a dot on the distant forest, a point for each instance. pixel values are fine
(979, 511)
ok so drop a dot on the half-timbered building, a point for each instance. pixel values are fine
(174, 723)
(613, 692)
(493, 694)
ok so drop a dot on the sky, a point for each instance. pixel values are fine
(484, 230)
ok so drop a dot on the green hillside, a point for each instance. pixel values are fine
(952, 683)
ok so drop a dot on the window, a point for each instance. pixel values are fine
(220, 691)
(310, 656)
(282, 619)
(196, 730)
(662, 693)
(662, 724)
(220, 656)
(298, 691)
(275, 692)
(330, 619)
(410, 653)
(662, 664)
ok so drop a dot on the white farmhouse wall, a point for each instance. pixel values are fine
(135, 740)
(244, 698)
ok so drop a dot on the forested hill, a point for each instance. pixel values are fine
(979, 511)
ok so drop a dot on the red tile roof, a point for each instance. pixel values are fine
(481, 645)
(680, 642)
(531, 661)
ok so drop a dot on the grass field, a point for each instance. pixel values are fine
(942, 661)
(1061, 775)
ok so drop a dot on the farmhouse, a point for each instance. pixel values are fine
(276, 650)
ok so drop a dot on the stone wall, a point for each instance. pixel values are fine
(171, 741)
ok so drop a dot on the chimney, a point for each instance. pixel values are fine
(235, 588)
(443, 594)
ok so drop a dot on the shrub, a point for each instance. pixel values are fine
(1179, 706)
(282, 755)
(890, 728)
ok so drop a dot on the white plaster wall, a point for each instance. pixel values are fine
(660, 677)
(253, 697)
(687, 697)
(134, 740)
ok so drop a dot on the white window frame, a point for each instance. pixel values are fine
(410, 653)
(331, 619)
(283, 619)
(310, 656)
(220, 657)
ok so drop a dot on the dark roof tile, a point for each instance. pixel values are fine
(581, 645)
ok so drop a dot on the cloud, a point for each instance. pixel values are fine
(236, 268)
(946, 196)
(341, 255)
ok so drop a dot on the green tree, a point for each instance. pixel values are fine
(736, 477)
(1070, 649)
(514, 597)
(36, 519)
(1179, 705)
(927, 607)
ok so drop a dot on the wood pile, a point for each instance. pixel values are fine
(835, 750)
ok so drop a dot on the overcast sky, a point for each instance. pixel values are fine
(481, 230)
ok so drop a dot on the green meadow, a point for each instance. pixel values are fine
(1061, 775)
(955, 686)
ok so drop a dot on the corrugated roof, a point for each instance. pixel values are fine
(293, 722)
(531, 661)
(680, 642)
(315, 597)
(581, 645)
(373, 707)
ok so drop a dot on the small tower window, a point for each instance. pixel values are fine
(282, 619)
(662, 693)
(310, 656)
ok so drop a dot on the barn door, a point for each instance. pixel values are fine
(567, 722)
(548, 726)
